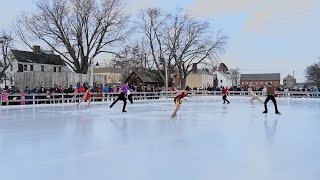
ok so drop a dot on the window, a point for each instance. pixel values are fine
(261, 82)
(59, 69)
(42, 68)
(31, 67)
(11, 80)
(20, 68)
(221, 81)
(242, 83)
(251, 83)
(271, 82)
(54, 69)
(25, 67)
(257, 83)
(11, 67)
(246, 83)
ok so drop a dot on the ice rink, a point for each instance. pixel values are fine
(208, 140)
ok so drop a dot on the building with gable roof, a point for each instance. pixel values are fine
(289, 81)
(36, 60)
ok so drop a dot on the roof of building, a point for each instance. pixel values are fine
(201, 71)
(289, 77)
(106, 70)
(41, 58)
(223, 74)
(260, 77)
(146, 76)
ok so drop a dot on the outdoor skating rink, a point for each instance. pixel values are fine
(207, 141)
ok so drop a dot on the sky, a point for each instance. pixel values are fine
(265, 36)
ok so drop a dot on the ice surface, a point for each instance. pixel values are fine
(208, 140)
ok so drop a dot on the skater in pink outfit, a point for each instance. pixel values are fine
(23, 97)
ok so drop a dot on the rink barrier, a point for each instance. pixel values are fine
(61, 98)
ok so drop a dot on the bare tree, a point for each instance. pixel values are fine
(132, 57)
(5, 43)
(235, 75)
(177, 40)
(78, 30)
(153, 24)
(313, 73)
(192, 42)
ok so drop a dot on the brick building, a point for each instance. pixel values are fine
(260, 80)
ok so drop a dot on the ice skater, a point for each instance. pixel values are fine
(271, 96)
(122, 96)
(225, 93)
(86, 97)
(178, 100)
(129, 94)
(254, 96)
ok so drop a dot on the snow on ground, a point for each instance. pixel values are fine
(208, 140)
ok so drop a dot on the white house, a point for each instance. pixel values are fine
(37, 60)
(200, 78)
(223, 79)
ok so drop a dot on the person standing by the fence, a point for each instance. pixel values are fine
(271, 96)
(86, 97)
(4, 97)
(122, 96)
(225, 93)
(23, 97)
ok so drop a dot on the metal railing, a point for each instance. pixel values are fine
(61, 98)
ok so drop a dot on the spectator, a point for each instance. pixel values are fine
(4, 97)
(82, 89)
(23, 97)
(78, 86)
(106, 89)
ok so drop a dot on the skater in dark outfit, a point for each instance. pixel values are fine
(122, 96)
(178, 100)
(225, 93)
(271, 96)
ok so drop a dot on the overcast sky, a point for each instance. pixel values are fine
(264, 35)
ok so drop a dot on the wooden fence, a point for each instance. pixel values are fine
(56, 98)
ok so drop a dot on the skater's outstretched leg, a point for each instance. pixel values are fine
(251, 100)
(260, 100)
(114, 102)
(80, 102)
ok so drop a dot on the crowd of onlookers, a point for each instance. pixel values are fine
(68, 92)
(46, 93)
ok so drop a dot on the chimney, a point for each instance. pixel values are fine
(194, 68)
(36, 49)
